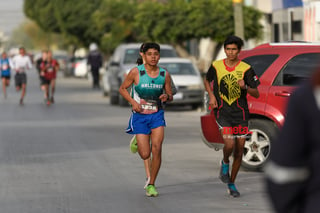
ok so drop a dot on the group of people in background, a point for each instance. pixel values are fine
(20, 64)
(47, 68)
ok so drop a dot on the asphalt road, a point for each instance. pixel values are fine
(73, 157)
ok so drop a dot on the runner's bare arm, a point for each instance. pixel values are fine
(254, 92)
(212, 99)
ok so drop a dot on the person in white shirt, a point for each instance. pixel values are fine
(21, 63)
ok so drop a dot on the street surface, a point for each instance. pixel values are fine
(74, 157)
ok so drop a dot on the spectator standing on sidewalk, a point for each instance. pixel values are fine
(95, 61)
(228, 82)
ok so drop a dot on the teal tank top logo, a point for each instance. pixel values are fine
(148, 87)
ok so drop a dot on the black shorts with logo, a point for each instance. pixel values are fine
(20, 78)
(232, 123)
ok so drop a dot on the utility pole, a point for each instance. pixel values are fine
(238, 18)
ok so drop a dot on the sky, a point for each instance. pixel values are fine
(11, 15)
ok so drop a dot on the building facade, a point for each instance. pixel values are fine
(311, 29)
(296, 20)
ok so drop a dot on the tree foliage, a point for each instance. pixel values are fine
(110, 22)
(31, 36)
(115, 20)
(72, 18)
(178, 21)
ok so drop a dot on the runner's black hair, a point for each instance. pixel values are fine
(140, 60)
(150, 45)
(233, 40)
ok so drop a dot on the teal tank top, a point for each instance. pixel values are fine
(149, 88)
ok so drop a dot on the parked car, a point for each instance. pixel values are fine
(123, 59)
(80, 68)
(280, 67)
(76, 66)
(187, 79)
(62, 59)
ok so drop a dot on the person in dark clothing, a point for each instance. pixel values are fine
(38, 65)
(292, 172)
(95, 62)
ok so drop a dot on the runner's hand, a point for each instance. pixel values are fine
(136, 107)
(213, 103)
(242, 84)
(164, 97)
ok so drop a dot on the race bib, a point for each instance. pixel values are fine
(148, 106)
(50, 69)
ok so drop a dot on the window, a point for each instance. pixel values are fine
(168, 53)
(179, 68)
(260, 63)
(298, 69)
(131, 56)
(297, 26)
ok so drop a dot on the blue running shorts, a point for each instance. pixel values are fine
(144, 123)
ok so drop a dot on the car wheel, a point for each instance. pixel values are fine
(114, 100)
(258, 145)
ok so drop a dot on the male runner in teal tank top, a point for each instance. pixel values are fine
(147, 119)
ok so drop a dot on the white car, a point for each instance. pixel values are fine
(81, 68)
(187, 79)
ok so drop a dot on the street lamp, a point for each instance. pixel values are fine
(238, 18)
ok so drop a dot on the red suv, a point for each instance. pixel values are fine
(280, 67)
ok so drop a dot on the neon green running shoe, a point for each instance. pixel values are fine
(151, 191)
(133, 145)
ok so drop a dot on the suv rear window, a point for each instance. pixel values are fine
(299, 68)
(260, 63)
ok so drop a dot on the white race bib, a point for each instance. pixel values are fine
(148, 106)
